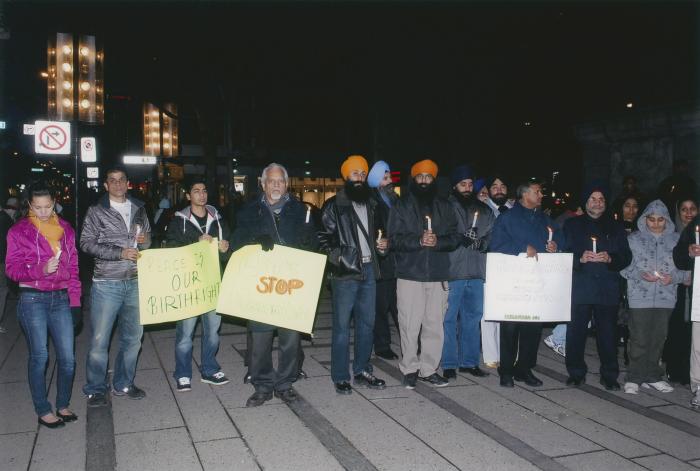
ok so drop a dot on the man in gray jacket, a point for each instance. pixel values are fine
(114, 230)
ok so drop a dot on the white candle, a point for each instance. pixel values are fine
(138, 232)
(308, 214)
(595, 247)
(430, 223)
(656, 274)
(379, 236)
(476, 216)
(697, 235)
(220, 234)
(551, 233)
(58, 254)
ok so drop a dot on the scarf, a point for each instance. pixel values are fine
(51, 230)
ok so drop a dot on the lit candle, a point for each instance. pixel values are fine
(551, 233)
(595, 247)
(476, 216)
(656, 274)
(430, 223)
(138, 232)
(308, 214)
(697, 235)
(379, 235)
(220, 235)
(615, 215)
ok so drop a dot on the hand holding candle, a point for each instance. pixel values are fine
(136, 237)
(379, 235)
(551, 233)
(308, 215)
(697, 235)
(476, 216)
(430, 223)
(58, 254)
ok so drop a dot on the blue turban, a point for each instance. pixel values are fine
(376, 173)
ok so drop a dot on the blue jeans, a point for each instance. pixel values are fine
(559, 334)
(184, 330)
(353, 298)
(41, 314)
(110, 301)
(465, 308)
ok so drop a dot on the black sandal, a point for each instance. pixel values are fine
(67, 417)
(57, 424)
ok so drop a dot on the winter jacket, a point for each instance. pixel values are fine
(339, 237)
(184, 229)
(596, 282)
(514, 230)
(406, 225)
(5, 224)
(105, 235)
(468, 263)
(28, 252)
(651, 252)
(387, 261)
(681, 257)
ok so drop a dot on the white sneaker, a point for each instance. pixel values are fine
(695, 401)
(184, 384)
(549, 341)
(560, 350)
(631, 388)
(661, 386)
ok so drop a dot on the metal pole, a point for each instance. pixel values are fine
(76, 187)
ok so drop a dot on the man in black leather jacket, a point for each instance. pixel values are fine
(348, 237)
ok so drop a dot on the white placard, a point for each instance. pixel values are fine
(140, 160)
(93, 172)
(695, 311)
(52, 137)
(527, 290)
(29, 129)
(88, 151)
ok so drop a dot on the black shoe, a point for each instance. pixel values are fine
(343, 388)
(369, 380)
(258, 399)
(507, 381)
(97, 400)
(67, 417)
(132, 392)
(449, 373)
(287, 395)
(610, 385)
(435, 380)
(529, 379)
(302, 374)
(410, 380)
(247, 377)
(575, 380)
(387, 354)
(59, 423)
(475, 371)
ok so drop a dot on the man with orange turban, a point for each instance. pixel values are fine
(422, 232)
(349, 238)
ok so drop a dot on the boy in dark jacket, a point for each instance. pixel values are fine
(198, 222)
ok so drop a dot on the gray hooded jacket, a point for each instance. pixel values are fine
(652, 252)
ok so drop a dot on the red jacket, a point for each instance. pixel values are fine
(27, 253)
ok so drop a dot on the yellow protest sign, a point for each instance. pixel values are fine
(278, 287)
(179, 283)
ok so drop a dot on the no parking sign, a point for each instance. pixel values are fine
(87, 149)
(52, 137)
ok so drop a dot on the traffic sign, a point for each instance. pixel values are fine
(88, 153)
(93, 172)
(29, 129)
(52, 137)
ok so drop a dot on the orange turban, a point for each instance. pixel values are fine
(424, 166)
(354, 162)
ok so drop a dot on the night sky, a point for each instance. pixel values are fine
(400, 81)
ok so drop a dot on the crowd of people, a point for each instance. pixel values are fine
(418, 260)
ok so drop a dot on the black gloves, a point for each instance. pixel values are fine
(265, 241)
(77, 314)
(471, 239)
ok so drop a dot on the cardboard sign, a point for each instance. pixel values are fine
(527, 290)
(279, 287)
(695, 303)
(179, 283)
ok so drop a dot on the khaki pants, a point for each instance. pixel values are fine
(695, 358)
(422, 307)
(490, 341)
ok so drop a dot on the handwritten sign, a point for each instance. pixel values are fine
(180, 283)
(278, 287)
(528, 290)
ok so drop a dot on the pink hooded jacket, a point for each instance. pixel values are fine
(27, 253)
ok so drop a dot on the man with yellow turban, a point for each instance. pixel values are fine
(422, 232)
(349, 238)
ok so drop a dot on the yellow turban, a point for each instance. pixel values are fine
(354, 162)
(424, 166)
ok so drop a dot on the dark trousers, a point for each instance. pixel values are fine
(386, 305)
(605, 318)
(519, 340)
(249, 351)
(677, 348)
(263, 375)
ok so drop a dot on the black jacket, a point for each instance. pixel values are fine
(339, 238)
(183, 230)
(406, 225)
(387, 263)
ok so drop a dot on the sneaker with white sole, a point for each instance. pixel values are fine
(661, 386)
(549, 341)
(557, 348)
(695, 401)
(631, 388)
(184, 384)
(217, 379)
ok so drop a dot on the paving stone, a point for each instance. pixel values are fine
(235, 393)
(205, 417)
(602, 460)
(16, 405)
(279, 440)
(156, 411)
(156, 450)
(225, 455)
(685, 414)
(542, 434)
(648, 431)
(16, 451)
(663, 463)
(313, 368)
(15, 367)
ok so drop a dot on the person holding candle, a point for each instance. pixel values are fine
(651, 290)
(379, 179)
(349, 238)
(465, 302)
(198, 222)
(274, 218)
(600, 249)
(422, 232)
(42, 258)
(109, 233)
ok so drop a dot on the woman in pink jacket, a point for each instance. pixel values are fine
(42, 258)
